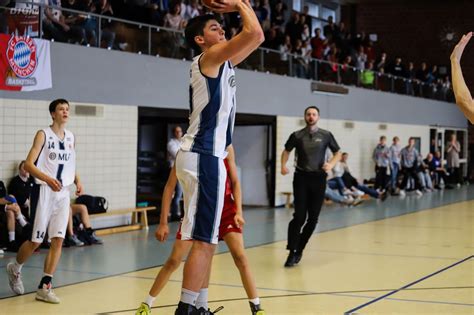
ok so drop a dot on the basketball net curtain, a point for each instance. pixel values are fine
(25, 63)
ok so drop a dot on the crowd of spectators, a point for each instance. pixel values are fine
(398, 170)
(343, 57)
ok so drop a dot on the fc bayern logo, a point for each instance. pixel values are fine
(21, 55)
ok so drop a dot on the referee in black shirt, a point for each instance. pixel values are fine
(309, 181)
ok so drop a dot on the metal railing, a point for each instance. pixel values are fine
(109, 32)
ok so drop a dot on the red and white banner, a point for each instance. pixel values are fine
(25, 63)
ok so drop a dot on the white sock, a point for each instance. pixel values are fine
(17, 266)
(255, 301)
(202, 299)
(149, 300)
(21, 220)
(188, 296)
(11, 236)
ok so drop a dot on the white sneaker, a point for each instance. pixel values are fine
(47, 295)
(14, 280)
(359, 193)
(418, 192)
(402, 193)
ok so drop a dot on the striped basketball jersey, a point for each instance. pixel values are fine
(57, 158)
(212, 111)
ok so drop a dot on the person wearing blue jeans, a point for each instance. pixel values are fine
(350, 182)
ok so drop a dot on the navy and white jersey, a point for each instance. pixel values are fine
(212, 111)
(57, 158)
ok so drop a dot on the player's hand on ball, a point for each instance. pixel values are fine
(162, 232)
(222, 6)
(239, 220)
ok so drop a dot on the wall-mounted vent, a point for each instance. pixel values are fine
(89, 110)
(349, 125)
(383, 127)
(330, 88)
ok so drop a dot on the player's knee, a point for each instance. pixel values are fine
(56, 242)
(32, 245)
(10, 214)
(240, 260)
(172, 263)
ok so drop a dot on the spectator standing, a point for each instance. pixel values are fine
(452, 159)
(381, 158)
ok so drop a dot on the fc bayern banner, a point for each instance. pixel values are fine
(25, 63)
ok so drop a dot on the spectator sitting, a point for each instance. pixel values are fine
(20, 187)
(71, 237)
(55, 25)
(89, 237)
(345, 200)
(437, 171)
(10, 213)
(353, 183)
(424, 175)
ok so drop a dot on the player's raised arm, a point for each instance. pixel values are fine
(461, 91)
(242, 45)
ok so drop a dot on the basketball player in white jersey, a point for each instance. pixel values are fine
(52, 163)
(200, 162)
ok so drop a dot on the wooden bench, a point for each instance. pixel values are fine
(135, 225)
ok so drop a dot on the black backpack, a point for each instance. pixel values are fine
(94, 204)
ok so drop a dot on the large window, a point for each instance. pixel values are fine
(326, 13)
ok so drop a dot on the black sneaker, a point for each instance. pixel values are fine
(13, 247)
(203, 311)
(291, 260)
(298, 255)
(186, 309)
(94, 239)
(256, 309)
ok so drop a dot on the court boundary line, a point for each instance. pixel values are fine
(302, 294)
(249, 247)
(351, 311)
